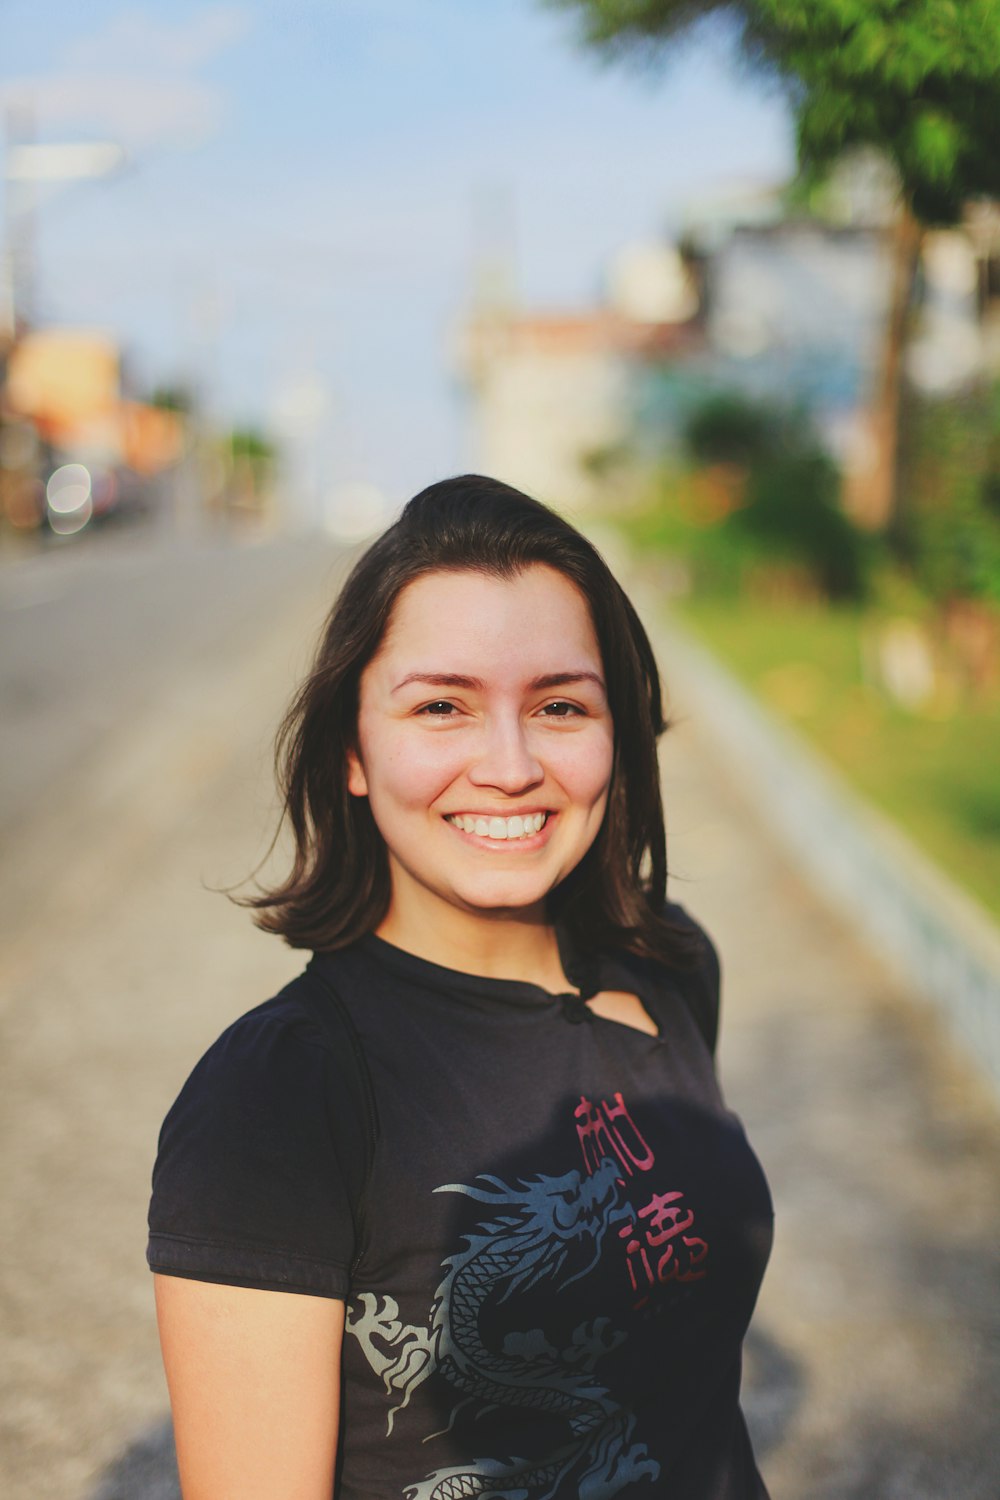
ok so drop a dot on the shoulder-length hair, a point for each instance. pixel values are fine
(338, 886)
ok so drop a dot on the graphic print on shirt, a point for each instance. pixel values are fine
(678, 1256)
(544, 1230)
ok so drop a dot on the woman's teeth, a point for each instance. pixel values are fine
(499, 828)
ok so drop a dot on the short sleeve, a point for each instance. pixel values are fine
(247, 1189)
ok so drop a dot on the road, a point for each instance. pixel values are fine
(152, 676)
(95, 631)
(872, 1367)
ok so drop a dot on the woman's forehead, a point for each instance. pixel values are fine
(461, 617)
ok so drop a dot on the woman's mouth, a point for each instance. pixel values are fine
(502, 830)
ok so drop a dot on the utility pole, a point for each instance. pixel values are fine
(28, 165)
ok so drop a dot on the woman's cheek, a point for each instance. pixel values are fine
(425, 765)
(583, 763)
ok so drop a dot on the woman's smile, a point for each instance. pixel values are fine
(492, 828)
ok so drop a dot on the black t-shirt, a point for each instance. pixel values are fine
(561, 1242)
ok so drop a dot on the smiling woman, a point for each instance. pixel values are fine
(525, 1250)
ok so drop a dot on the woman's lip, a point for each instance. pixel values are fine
(510, 812)
(522, 841)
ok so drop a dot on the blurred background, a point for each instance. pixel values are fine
(720, 281)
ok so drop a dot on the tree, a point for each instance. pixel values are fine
(778, 459)
(917, 79)
(178, 398)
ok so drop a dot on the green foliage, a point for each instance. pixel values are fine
(949, 528)
(728, 429)
(250, 443)
(917, 79)
(176, 398)
(792, 507)
(789, 511)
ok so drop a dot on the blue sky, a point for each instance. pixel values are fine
(309, 181)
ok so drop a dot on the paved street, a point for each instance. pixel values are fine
(873, 1371)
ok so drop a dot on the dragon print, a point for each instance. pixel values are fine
(545, 1230)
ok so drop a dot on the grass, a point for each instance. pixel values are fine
(935, 772)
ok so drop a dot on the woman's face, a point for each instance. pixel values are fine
(485, 743)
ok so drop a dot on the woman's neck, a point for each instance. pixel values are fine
(518, 945)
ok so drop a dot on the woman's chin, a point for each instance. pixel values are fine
(497, 897)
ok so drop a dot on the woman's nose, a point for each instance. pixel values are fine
(507, 761)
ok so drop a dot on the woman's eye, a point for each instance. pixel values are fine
(561, 710)
(440, 710)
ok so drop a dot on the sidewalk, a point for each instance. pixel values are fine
(872, 1368)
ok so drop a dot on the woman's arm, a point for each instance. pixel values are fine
(254, 1381)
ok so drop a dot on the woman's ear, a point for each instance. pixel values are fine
(357, 781)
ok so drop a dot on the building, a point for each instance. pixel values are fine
(785, 305)
(554, 393)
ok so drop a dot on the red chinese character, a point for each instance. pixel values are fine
(666, 1219)
(600, 1136)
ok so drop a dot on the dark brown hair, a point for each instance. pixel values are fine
(338, 887)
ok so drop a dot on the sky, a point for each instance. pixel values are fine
(310, 186)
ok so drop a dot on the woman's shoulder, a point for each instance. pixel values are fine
(285, 1055)
(701, 980)
(703, 956)
(290, 1022)
(270, 1050)
(281, 1014)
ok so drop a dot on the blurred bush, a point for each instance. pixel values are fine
(764, 500)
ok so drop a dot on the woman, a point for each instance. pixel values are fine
(504, 1239)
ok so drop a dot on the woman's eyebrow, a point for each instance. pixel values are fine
(565, 679)
(474, 684)
(440, 679)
